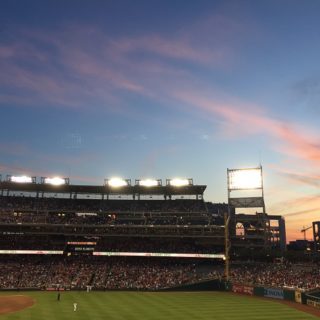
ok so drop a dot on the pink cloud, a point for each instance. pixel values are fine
(297, 204)
(13, 149)
(79, 66)
(7, 51)
(305, 178)
(172, 48)
(68, 75)
(288, 138)
(11, 169)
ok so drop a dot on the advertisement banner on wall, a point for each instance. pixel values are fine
(239, 288)
(273, 293)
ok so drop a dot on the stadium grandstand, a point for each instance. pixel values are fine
(145, 236)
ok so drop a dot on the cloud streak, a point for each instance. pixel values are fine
(82, 67)
(239, 119)
(63, 69)
(311, 180)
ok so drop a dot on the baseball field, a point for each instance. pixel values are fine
(144, 305)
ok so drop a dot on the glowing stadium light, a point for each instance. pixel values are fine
(245, 179)
(56, 181)
(21, 179)
(179, 182)
(118, 182)
(149, 182)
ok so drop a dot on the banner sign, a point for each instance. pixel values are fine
(239, 288)
(30, 252)
(82, 243)
(161, 254)
(273, 293)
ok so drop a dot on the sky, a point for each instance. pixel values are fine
(95, 89)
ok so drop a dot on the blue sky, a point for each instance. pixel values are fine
(93, 89)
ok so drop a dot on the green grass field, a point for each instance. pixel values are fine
(155, 306)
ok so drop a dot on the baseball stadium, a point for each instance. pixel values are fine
(148, 249)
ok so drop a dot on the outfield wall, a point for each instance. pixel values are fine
(298, 296)
(206, 285)
(312, 298)
(268, 292)
(309, 298)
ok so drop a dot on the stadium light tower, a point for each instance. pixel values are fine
(242, 180)
(246, 191)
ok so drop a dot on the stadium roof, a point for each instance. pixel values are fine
(90, 189)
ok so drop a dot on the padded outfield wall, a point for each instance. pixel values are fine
(267, 292)
(309, 298)
(312, 298)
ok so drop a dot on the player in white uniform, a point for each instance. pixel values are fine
(75, 306)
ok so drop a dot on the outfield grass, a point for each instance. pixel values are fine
(155, 306)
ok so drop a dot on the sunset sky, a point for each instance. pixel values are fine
(95, 89)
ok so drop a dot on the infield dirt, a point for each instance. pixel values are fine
(15, 303)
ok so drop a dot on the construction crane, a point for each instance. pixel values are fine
(304, 230)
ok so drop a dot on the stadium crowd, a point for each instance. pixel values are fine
(21, 210)
(95, 205)
(105, 219)
(302, 276)
(124, 273)
(100, 273)
(104, 273)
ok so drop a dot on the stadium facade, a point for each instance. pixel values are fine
(44, 216)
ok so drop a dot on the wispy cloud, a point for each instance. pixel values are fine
(302, 212)
(171, 48)
(289, 138)
(12, 169)
(84, 67)
(298, 202)
(306, 93)
(65, 69)
(88, 69)
(13, 149)
(307, 179)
